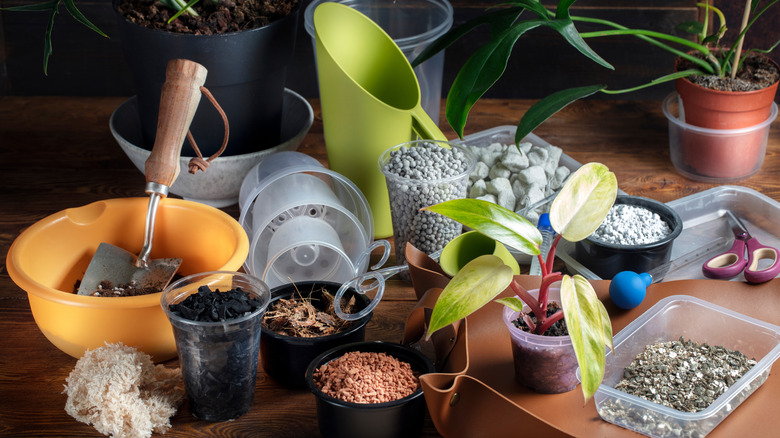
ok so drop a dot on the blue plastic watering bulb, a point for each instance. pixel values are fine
(627, 289)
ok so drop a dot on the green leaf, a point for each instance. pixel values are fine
(480, 72)
(569, 32)
(494, 221)
(499, 19)
(513, 303)
(545, 108)
(471, 288)
(583, 202)
(70, 6)
(587, 329)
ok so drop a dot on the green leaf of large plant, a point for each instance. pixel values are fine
(545, 108)
(498, 19)
(494, 221)
(480, 72)
(588, 329)
(583, 202)
(471, 288)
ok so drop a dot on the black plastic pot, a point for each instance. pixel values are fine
(607, 259)
(286, 358)
(396, 419)
(246, 75)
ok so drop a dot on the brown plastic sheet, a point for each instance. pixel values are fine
(475, 395)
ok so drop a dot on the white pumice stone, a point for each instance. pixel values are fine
(518, 188)
(525, 147)
(514, 160)
(533, 176)
(481, 171)
(478, 189)
(559, 177)
(499, 171)
(537, 156)
(553, 157)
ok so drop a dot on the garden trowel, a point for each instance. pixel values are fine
(113, 267)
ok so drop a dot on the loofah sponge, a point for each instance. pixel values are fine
(120, 392)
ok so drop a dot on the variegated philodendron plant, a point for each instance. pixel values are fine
(578, 209)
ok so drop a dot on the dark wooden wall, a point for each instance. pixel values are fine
(86, 64)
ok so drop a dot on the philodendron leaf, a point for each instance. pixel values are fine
(513, 303)
(589, 329)
(583, 202)
(471, 288)
(494, 221)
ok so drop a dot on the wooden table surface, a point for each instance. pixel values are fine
(58, 152)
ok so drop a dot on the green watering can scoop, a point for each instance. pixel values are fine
(370, 101)
(365, 53)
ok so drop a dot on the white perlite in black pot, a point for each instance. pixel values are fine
(631, 225)
(420, 174)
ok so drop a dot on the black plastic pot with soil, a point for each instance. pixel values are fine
(246, 75)
(285, 354)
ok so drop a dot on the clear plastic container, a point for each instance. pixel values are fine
(290, 188)
(413, 25)
(701, 322)
(715, 155)
(704, 220)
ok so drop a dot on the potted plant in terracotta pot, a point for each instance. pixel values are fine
(545, 358)
(698, 62)
(245, 45)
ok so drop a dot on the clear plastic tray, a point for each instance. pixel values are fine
(701, 322)
(704, 219)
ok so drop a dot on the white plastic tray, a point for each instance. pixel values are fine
(704, 219)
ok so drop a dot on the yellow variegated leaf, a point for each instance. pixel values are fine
(584, 321)
(494, 221)
(583, 202)
(472, 287)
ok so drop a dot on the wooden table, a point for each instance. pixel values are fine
(57, 152)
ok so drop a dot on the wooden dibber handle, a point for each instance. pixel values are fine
(178, 101)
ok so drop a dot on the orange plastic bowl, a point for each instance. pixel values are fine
(48, 258)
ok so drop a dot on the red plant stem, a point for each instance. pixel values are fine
(542, 327)
(527, 298)
(551, 255)
(544, 290)
(542, 264)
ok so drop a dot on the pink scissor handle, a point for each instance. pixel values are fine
(728, 264)
(756, 253)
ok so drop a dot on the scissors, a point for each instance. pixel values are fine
(730, 263)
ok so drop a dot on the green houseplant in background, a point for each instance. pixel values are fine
(235, 46)
(580, 207)
(488, 63)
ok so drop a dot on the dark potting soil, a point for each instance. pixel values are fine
(557, 329)
(215, 306)
(213, 17)
(300, 316)
(756, 73)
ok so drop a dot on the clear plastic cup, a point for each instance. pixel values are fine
(292, 185)
(218, 359)
(413, 25)
(427, 231)
(715, 155)
(306, 248)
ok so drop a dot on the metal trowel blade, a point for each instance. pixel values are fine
(115, 267)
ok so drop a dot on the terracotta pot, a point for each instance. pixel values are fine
(715, 109)
(716, 155)
(545, 364)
